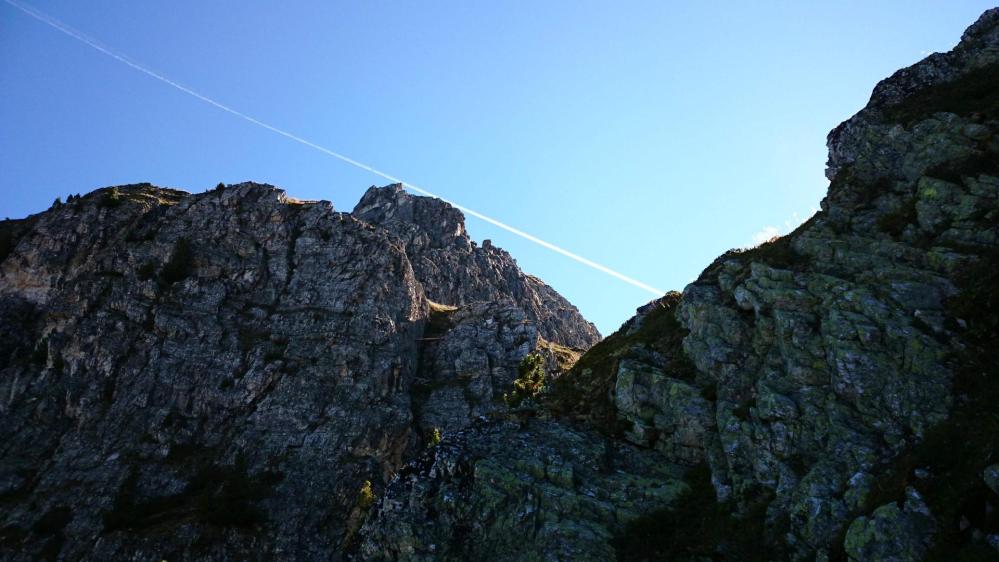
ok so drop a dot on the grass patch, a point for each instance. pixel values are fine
(778, 252)
(365, 496)
(435, 438)
(584, 390)
(438, 307)
(439, 321)
(565, 357)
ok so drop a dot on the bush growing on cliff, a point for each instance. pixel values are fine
(529, 383)
(365, 496)
(435, 438)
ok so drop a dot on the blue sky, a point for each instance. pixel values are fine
(647, 136)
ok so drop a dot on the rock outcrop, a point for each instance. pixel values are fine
(839, 383)
(534, 490)
(239, 375)
(216, 376)
(455, 271)
(833, 350)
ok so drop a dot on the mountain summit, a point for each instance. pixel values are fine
(828, 395)
(238, 374)
(218, 375)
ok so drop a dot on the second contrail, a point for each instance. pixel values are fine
(56, 24)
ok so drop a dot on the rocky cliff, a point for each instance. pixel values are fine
(240, 375)
(228, 375)
(455, 271)
(828, 395)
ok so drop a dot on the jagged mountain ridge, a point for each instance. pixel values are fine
(215, 376)
(440, 251)
(833, 392)
(829, 395)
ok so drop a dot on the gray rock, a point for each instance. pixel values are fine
(536, 490)
(215, 376)
(454, 271)
(892, 534)
(821, 356)
(991, 477)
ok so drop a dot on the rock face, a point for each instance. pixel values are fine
(455, 271)
(239, 375)
(215, 376)
(832, 351)
(839, 383)
(470, 358)
(535, 490)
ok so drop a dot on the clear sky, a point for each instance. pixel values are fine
(647, 136)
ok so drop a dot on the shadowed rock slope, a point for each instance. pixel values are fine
(217, 376)
(834, 392)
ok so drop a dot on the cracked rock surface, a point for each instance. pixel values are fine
(215, 376)
(828, 380)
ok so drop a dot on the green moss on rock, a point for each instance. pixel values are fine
(585, 390)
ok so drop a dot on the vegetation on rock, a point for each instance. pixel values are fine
(435, 438)
(584, 391)
(365, 496)
(530, 381)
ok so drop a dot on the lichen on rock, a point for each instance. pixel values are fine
(215, 376)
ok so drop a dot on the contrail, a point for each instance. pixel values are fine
(58, 25)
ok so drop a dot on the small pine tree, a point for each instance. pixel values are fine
(530, 381)
(220, 186)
